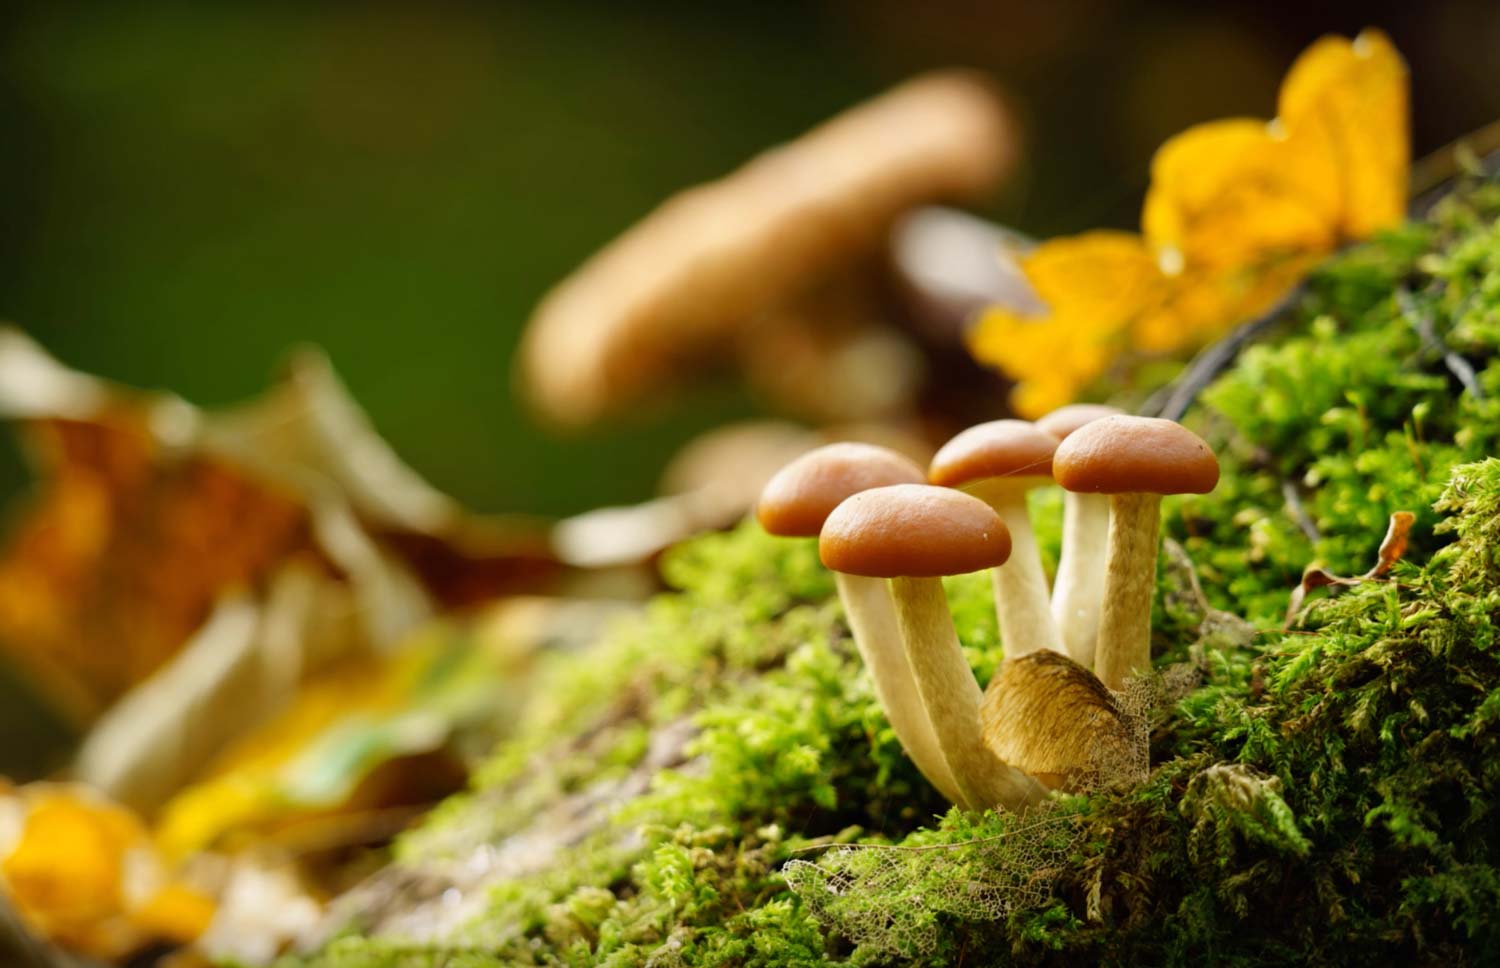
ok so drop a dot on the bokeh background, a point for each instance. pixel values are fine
(187, 190)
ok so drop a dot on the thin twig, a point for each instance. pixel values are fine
(1213, 359)
(1476, 154)
(1298, 512)
(1461, 368)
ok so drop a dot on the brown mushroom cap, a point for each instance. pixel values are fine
(913, 531)
(999, 448)
(1135, 455)
(798, 499)
(1061, 422)
(712, 259)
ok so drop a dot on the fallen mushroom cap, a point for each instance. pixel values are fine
(712, 258)
(1062, 422)
(1000, 448)
(1051, 717)
(1135, 455)
(799, 498)
(913, 531)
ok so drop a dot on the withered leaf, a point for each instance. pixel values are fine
(152, 515)
(1392, 548)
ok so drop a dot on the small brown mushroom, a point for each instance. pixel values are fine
(999, 462)
(914, 534)
(790, 228)
(795, 503)
(1135, 460)
(1078, 590)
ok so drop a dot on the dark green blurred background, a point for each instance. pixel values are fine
(188, 189)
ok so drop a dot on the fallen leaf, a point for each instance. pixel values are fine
(81, 873)
(1226, 193)
(1392, 548)
(336, 749)
(185, 569)
(1238, 211)
(1350, 101)
(1095, 285)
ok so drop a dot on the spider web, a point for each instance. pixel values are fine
(897, 901)
(894, 901)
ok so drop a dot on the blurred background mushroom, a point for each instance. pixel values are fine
(190, 189)
(794, 267)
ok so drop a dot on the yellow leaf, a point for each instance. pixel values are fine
(1200, 303)
(1349, 101)
(64, 871)
(1097, 284)
(76, 869)
(242, 789)
(1237, 213)
(352, 718)
(1096, 276)
(1230, 193)
(175, 913)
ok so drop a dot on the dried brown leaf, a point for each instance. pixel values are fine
(1392, 549)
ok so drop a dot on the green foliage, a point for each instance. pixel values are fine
(1325, 794)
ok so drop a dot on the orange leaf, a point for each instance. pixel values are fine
(123, 552)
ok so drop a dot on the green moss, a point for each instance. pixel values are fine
(1324, 794)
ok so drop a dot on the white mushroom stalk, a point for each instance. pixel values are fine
(1135, 460)
(1129, 582)
(796, 502)
(1022, 599)
(999, 462)
(914, 534)
(877, 635)
(952, 698)
(1078, 590)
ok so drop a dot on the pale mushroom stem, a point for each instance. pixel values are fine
(1078, 592)
(1021, 594)
(1124, 648)
(951, 697)
(872, 620)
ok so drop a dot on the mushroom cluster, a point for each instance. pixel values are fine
(1051, 717)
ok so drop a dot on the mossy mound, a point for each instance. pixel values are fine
(1324, 794)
